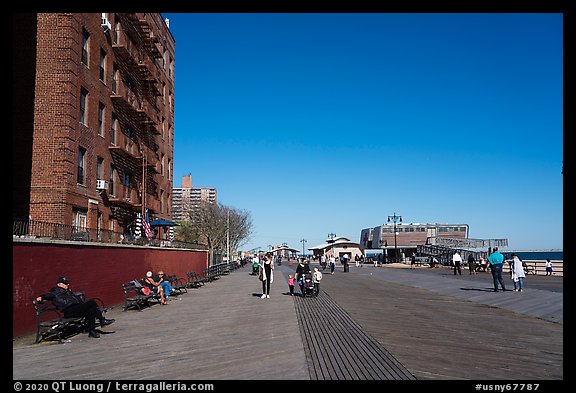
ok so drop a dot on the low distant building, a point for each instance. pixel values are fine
(284, 251)
(338, 246)
(407, 237)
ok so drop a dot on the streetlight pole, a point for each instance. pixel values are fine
(303, 241)
(332, 236)
(228, 236)
(395, 219)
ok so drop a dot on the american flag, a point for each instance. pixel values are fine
(146, 225)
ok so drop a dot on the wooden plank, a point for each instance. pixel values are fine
(345, 351)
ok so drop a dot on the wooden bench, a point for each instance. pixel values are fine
(133, 296)
(52, 324)
(194, 280)
(179, 285)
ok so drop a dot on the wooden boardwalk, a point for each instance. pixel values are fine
(337, 348)
(396, 323)
(443, 327)
(220, 331)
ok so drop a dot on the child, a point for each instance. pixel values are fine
(291, 284)
(316, 277)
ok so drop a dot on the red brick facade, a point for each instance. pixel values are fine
(117, 73)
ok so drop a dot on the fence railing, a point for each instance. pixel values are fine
(31, 229)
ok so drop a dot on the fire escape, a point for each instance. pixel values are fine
(134, 97)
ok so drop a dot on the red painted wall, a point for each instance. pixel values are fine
(97, 270)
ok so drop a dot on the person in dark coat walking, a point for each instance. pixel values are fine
(74, 306)
(472, 264)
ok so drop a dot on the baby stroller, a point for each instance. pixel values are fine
(307, 285)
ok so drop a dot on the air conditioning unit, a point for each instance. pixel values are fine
(101, 185)
(105, 23)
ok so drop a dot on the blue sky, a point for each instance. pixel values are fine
(329, 123)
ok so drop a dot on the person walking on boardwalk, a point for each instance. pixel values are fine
(457, 261)
(517, 272)
(496, 261)
(471, 264)
(548, 267)
(291, 284)
(266, 274)
(316, 278)
(332, 261)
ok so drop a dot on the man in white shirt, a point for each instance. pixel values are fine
(457, 260)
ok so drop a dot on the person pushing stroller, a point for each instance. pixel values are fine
(301, 269)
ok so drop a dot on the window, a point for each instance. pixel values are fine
(81, 166)
(130, 84)
(113, 129)
(128, 131)
(99, 168)
(103, 66)
(101, 119)
(79, 218)
(115, 79)
(126, 179)
(83, 105)
(117, 30)
(111, 181)
(85, 40)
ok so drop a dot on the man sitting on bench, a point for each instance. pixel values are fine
(74, 306)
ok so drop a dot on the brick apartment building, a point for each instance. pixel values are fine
(93, 121)
(187, 200)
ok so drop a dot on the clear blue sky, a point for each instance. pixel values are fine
(328, 123)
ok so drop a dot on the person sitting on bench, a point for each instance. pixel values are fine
(74, 306)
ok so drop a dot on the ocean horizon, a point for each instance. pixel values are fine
(537, 255)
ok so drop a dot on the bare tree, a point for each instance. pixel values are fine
(214, 225)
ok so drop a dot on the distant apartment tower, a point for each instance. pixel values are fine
(187, 200)
(93, 120)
